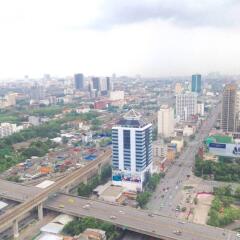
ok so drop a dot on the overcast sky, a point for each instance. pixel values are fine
(101, 37)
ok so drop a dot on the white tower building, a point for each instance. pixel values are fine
(166, 121)
(132, 151)
(186, 105)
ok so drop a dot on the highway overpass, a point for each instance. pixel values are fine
(12, 217)
(140, 221)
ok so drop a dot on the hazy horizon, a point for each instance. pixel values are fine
(154, 38)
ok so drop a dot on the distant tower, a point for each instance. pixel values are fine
(196, 83)
(96, 83)
(132, 151)
(229, 108)
(79, 81)
(109, 84)
(166, 121)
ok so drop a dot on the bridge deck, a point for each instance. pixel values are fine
(136, 220)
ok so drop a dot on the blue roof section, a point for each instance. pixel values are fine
(132, 119)
(131, 123)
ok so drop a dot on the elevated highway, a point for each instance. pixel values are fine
(37, 199)
(140, 221)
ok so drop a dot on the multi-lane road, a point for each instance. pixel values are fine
(167, 195)
(140, 221)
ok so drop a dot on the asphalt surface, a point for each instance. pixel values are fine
(167, 195)
(137, 220)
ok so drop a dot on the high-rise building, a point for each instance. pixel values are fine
(229, 108)
(166, 121)
(79, 81)
(37, 92)
(186, 105)
(132, 151)
(96, 83)
(109, 84)
(196, 83)
(237, 111)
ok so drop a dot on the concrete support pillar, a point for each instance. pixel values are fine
(99, 169)
(85, 180)
(40, 211)
(67, 189)
(15, 229)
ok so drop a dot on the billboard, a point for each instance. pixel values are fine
(126, 177)
(225, 149)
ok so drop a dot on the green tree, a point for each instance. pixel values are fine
(143, 198)
(237, 193)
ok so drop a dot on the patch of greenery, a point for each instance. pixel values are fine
(14, 178)
(222, 211)
(187, 187)
(85, 189)
(228, 171)
(150, 185)
(38, 149)
(77, 226)
(143, 198)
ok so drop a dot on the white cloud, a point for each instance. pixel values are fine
(55, 37)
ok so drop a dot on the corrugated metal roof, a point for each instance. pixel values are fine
(3, 205)
(45, 184)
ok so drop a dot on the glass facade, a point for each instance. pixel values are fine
(142, 150)
(196, 83)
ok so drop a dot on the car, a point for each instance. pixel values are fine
(113, 217)
(150, 215)
(87, 206)
(238, 235)
(61, 206)
(181, 222)
(177, 232)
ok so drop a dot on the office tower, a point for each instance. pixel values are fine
(109, 84)
(166, 121)
(237, 112)
(196, 83)
(103, 85)
(37, 92)
(79, 81)
(96, 83)
(186, 105)
(229, 107)
(132, 151)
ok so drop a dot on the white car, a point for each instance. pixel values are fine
(238, 235)
(87, 206)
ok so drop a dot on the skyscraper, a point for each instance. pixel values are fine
(109, 84)
(186, 105)
(132, 151)
(79, 81)
(96, 83)
(229, 108)
(196, 83)
(166, 121)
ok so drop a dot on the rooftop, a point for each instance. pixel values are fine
(132, 119)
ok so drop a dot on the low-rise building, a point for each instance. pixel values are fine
(179, 142)
(159, 150)
(7, 129)
(188, 130)
(93, 234)
(116, 95)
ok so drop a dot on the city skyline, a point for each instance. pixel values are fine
(151, 38)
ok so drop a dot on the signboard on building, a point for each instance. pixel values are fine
(225, 149)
